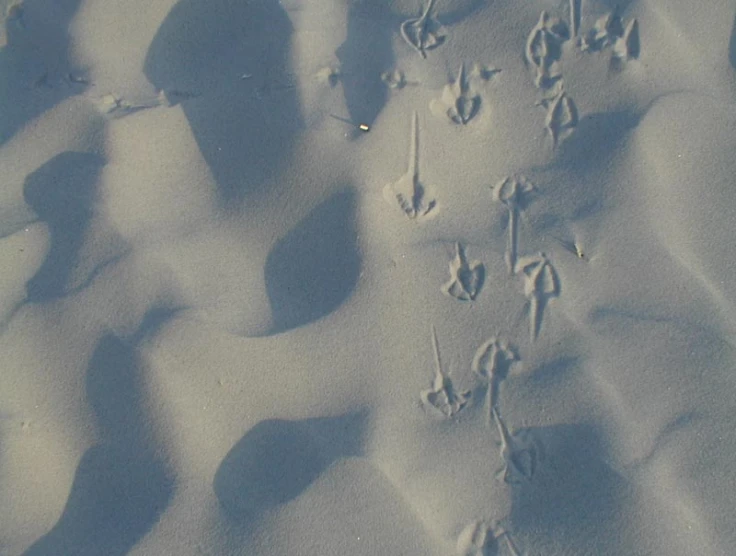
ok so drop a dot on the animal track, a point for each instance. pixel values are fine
(482, 72)
(541, 284)
(482, 539)
(329, 75)
(442, 397)
(459, 103)
(396, 79)
(116, 107)
(512, 192)
(604, 33)
(459, 100)
(411, 195)
(609, 32)
(423, 33)
(544, 53)
(492, 363)
(628, 46)
(562, 114)
(575, 17)
(520, 452)
(466, 279)
(544, 49)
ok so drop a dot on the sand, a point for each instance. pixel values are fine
(357, 277)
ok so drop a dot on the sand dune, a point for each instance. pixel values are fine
(340, 276)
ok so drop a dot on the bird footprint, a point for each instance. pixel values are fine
(423, 33)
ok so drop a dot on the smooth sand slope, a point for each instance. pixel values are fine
(356, 277)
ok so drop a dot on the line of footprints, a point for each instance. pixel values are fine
(520, 451)
(460, 101)
(544, 50)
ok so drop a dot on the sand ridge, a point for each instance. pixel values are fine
(438, 277)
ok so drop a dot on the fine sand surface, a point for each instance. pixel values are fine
(500, 319)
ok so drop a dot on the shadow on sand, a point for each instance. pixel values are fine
(62, 193)
(244, 127)
(574, 494)
(277, 460)
(315, 267)
(120, 487)
(37, 50)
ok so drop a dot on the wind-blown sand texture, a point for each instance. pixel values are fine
(367, 277)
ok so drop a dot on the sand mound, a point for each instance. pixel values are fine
(331, 277)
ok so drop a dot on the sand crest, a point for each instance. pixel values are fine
(359, 277)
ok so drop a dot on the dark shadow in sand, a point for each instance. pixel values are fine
(154, 320)
(120, 487)
(244, 127)
(600, 136)
(597, 141)
(62, 193)
(315, 267)
(551, 373)
(277, 460)
(597, 137)
(366, 53)
(38, 46)
(574, 494)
